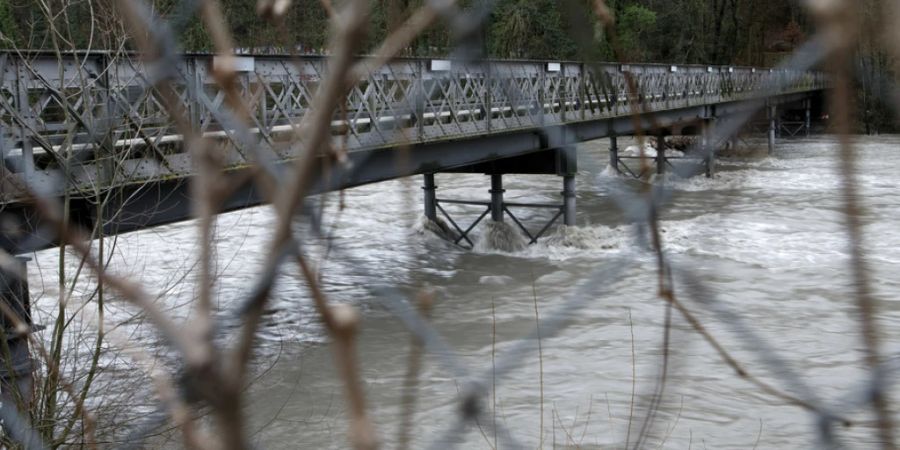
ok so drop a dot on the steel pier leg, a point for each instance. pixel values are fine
(709, 147)
(497, 197)
(661, 153)
(430, 190)
(772, 114)
(614, 153)
(808, 121)
(569, 200)
(15, 372)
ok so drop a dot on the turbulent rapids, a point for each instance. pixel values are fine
(765, 231)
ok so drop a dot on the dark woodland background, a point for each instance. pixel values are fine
(736, 32)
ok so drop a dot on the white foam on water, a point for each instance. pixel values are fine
(755, 239)
(771, 227)
(588, 241)
(609, 172)
(496, 280)
(553, 278)
(438, 229)
(635, 150)
(500, 237)
(745, 237)
(768, 174)
(649, 151)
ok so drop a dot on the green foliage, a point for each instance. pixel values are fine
(635, 24)
(680, 31)
(9, 32)
(529, 29)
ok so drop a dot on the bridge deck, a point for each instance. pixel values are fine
(93, 122)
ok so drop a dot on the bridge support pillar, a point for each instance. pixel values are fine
(660, 153)
(430, 191)
(568, 195)
(709, 147)
(807, 106)
(773, 112)
(497, 197)
(614, 153)
(15, 372)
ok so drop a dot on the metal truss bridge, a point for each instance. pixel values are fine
(93, 125)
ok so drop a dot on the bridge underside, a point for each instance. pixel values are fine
(536, 150)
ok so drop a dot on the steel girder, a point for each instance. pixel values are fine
(93, 122)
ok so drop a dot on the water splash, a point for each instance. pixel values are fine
(583, 238)
(753, 150)
(649, 151)
(500, 236)
(437, 227)
(609, 172)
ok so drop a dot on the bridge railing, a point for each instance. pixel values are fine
(98, 119)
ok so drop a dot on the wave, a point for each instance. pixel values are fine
(500, 237)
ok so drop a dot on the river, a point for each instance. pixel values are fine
(766, 235)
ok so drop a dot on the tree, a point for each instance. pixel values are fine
(634, 25)
(529, 29)
(9, 32)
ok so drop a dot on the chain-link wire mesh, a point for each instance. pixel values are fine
(80, 124)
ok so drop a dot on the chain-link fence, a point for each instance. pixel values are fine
(87, 124)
